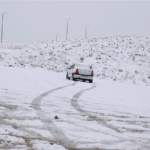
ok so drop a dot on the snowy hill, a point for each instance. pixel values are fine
(118, 58)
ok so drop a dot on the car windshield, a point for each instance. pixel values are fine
(82, 66)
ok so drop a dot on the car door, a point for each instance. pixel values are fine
(72, 70)
(69, 71)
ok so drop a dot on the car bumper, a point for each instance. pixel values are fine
(79, 76)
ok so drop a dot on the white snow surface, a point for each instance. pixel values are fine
(111, 113)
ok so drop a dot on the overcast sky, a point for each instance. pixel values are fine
(36, 21)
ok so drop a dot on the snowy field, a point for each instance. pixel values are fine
(41, 110)
(103, 115)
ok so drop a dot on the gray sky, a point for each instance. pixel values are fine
(36, 21)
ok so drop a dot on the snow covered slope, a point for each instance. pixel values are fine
(118, 58)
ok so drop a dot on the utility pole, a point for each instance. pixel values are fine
(56, 36)
(2, 26)
(86, 31)
(67, 29)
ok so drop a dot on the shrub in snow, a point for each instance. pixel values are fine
(81, 58)
(120, 70)
(1, 58)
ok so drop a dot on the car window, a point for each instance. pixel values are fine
(83, 66)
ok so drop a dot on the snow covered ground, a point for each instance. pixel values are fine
(102, 115)
(123, 59)
(41, 110)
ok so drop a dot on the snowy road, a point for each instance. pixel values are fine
(102, 115)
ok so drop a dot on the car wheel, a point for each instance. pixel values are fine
(67, 76)
(83, 80)
(91, 81)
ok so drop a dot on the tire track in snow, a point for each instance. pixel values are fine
(74, 100)
(56, 132)
(74, 103)
(26, 139)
